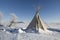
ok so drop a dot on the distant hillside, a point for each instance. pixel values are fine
(54, 25)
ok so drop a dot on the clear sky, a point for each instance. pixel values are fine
(25, 9)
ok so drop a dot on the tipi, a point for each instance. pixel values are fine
(36, 24)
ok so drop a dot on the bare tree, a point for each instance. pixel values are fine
(1, 16)
(13, 17)
(13, 20)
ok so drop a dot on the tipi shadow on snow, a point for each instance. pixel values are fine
(53, 29)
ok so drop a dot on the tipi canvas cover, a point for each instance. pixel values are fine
(36, 24)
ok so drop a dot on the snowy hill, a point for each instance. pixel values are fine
(28, 36)
(54, 35)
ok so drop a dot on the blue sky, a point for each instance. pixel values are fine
(25, 9)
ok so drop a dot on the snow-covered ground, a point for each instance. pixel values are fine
(54, 35)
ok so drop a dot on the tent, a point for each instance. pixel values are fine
(36, 24)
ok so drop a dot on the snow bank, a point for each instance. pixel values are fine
(45, 31)
(20, 31)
